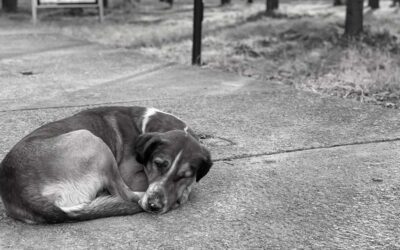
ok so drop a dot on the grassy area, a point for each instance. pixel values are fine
(301, 46)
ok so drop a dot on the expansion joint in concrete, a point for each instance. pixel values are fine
(244, 156)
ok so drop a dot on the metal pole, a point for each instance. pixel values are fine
(197, 19)
(34, 11)
(101, 10)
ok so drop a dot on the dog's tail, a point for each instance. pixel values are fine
(103, 206)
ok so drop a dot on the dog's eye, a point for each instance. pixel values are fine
(160, 163)
(187, 174)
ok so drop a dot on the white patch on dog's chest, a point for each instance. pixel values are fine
(146, 117)
(151, 112)
(69, 194)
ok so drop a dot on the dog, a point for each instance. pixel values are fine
(101, 162)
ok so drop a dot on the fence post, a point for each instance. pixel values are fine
(197, 20)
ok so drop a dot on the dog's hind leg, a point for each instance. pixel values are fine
(87, 166)
(121, 201)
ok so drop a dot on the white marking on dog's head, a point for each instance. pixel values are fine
(156, 193)
(174, 164)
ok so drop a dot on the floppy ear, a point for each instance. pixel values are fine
(145, 145)
(205, 166)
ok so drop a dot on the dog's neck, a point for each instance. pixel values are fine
(142, 120)
(154, 120)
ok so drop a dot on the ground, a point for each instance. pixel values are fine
(301, 45)
(293, 169)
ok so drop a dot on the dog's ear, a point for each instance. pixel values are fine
(205, 166)
(145, 145)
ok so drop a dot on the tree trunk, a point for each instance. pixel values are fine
(9, 5)
(276, 4)
(337, 2)
(374, 4)
(272, 5)
(354, 17)
(394, 2)
(223, 2)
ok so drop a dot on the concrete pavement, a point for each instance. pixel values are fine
(292, 169)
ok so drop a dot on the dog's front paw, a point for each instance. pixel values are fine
(137, 196)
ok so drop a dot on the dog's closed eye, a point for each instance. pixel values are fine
(186, 174)
(161, 163)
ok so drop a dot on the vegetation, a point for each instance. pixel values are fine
(306, 48)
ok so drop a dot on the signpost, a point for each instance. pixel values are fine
(197, 20)
(45, 4)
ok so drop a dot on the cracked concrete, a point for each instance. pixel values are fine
(292, 169)
(243, 156)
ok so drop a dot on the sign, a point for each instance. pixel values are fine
(67, 1)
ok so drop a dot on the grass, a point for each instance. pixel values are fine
(308, 51)
(302, 45)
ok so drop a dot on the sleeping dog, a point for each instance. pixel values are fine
(101, 162)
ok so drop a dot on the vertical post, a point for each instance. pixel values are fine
(10, 5)
(101, 10)
(275, 4)
(34, 11)
(374, 4)
(271, 6)
(337, 2)
(354, 17)
(197, 20)
(225, 2)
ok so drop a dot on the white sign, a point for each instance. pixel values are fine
(66, 1)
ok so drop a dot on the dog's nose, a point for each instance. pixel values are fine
(155, 205)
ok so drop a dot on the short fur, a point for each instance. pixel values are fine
(88, 165)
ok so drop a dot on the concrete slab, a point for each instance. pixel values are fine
(36, 78)
(168, 81)
(255, 119)
(16, 44)
(342, 198)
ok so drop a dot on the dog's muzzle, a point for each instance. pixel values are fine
(155, 204)
(154, 200)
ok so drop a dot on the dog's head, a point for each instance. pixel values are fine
(173, 161)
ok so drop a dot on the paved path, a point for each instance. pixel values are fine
(292, 169)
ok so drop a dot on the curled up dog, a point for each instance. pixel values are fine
(102, 162)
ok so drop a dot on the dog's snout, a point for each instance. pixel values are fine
(155, 204)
